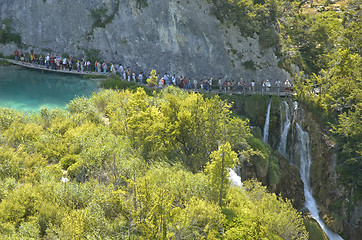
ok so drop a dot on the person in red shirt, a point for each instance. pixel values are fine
(16, 53)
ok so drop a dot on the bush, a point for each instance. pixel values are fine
(6, 33)
(114, 83)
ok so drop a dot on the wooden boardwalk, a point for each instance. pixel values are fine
(43, 68)
(280, 91)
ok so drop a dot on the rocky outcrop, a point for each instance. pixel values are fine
(336, 202)
(173, 36)
(337, 205)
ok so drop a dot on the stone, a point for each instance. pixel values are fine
(178, 37)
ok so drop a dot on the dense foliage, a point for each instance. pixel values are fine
(6, 33)
(251, 17)
(333, 91)
(320, 44)
(117, 166)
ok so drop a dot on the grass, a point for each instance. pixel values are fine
(315, 232)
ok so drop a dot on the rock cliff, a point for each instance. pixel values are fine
(173, 36)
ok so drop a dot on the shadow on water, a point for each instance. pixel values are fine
(29, 90)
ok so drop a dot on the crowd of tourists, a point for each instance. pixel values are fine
(69, 63)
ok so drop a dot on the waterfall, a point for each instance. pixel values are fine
(284, 131)
(304, 169)
(234, 178)
(266, 125)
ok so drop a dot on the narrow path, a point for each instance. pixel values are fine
(280, 91)
(43, 68)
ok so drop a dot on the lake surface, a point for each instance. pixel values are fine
(29, 90)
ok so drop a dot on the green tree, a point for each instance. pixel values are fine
(253, 213)
(222, 160)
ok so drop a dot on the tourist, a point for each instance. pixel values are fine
(189, 84)
(35, 60)
(16, 54)
(268, 85)
(99, 66)
(210, 84)
(160, 83)
(70, 63)
(128, 74)
(232, 85)
(22, 56)
(206, 84)
(88, 65)
(174, 79)
(140, 77)
(105, 67)
(27, 57)
(53, 61)
(120, 69)
(202, 84)
(167, 80)
(195, 83)
(252, 86)
(41, 60)
(58, 61)
(96, 66)
(262, 87)
(113, 69)
(64, 63)
(82, 65)
(78, 66)
(287, 86)
(277, 83)
(225, 85)
(124, 74)
(219, 82)
(47, 61)
(184, 82)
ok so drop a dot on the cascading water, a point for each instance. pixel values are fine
(304, 169)
(266, 125)
(284, 131)
(234, 178)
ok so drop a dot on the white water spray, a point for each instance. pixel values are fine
(234, 178)
(285, 129)
(304, 169)
(266, 125)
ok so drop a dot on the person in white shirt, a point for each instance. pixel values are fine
(174, 79)
(113, 69)
(268, 85)
(277, 84)
(64, 63)
(120, 69)
(88, 65)
(140, 77)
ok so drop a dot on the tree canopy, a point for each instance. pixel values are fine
(126, 165)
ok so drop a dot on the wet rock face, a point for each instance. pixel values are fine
(173, 36)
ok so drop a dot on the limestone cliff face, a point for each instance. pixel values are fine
(173, 36)
(336, 202)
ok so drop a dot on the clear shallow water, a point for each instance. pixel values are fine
(30, 90)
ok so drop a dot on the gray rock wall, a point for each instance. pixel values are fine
(173, 36)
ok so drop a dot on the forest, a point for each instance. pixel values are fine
(136, 164)
(127, 165)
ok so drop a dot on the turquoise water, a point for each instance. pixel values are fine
(30, 90)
